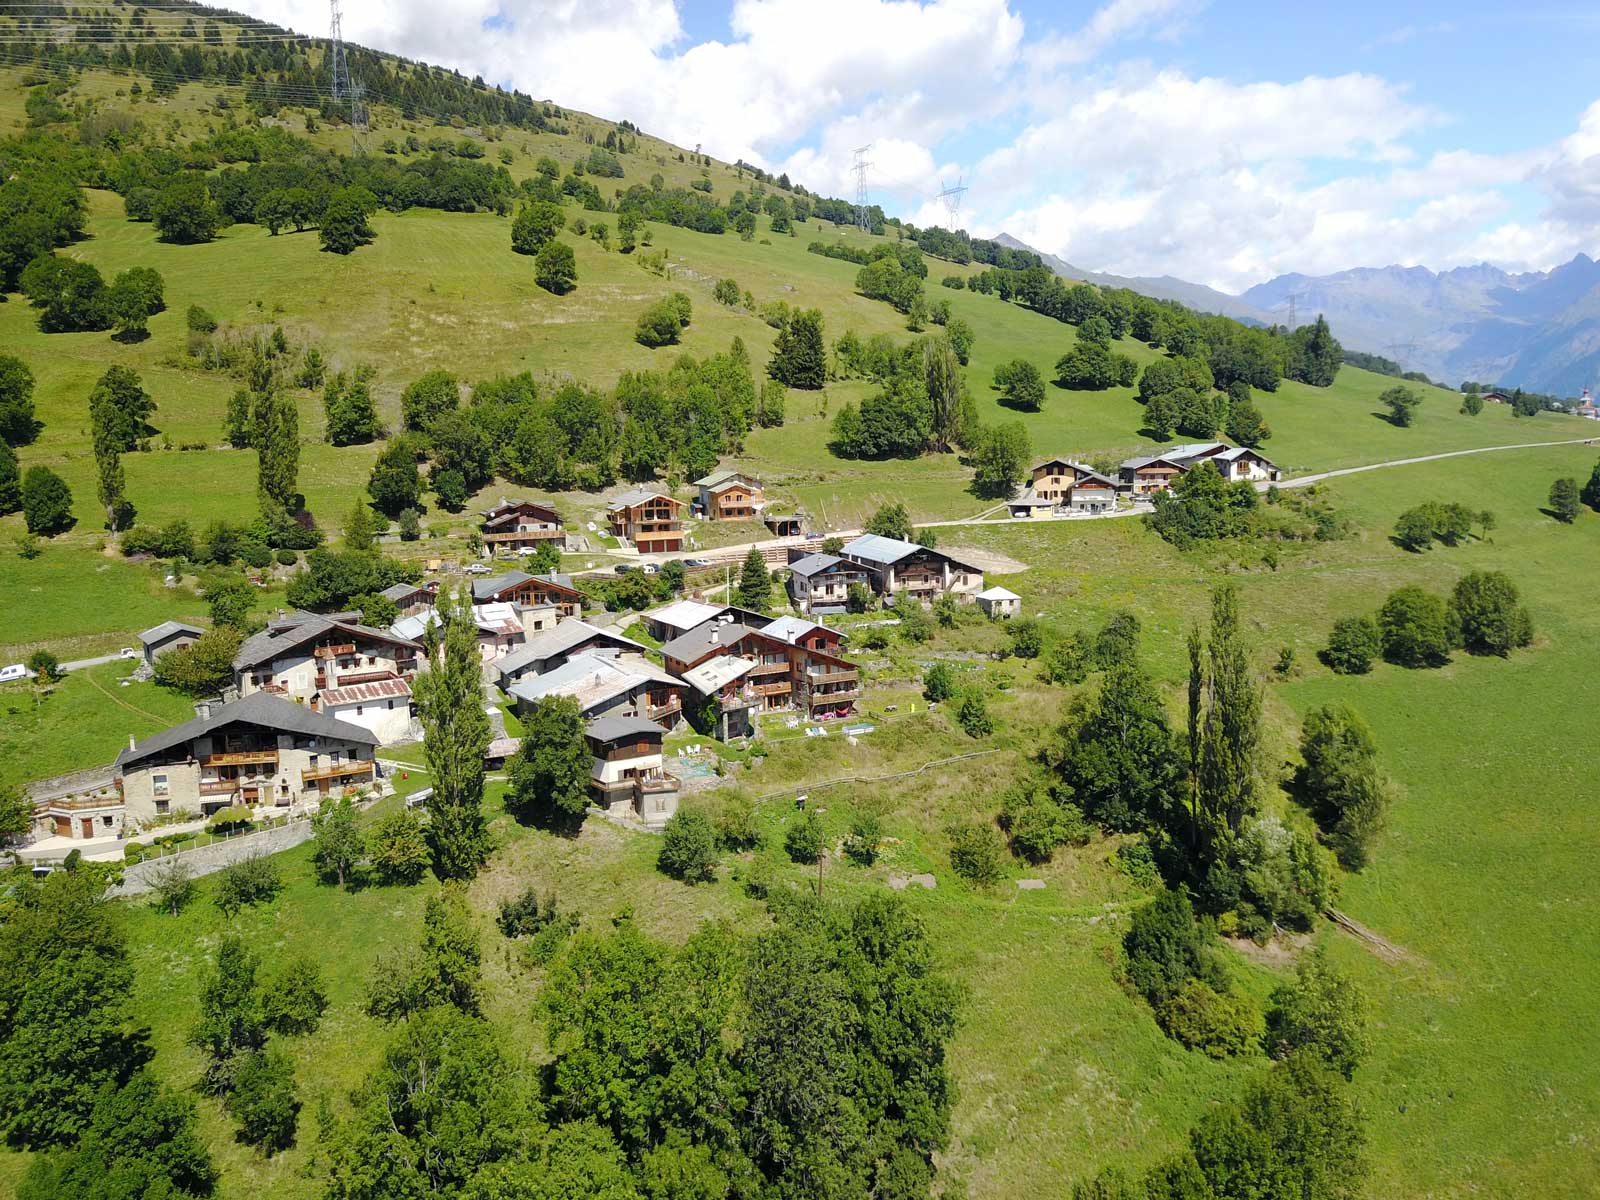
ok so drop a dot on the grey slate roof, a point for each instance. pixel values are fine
(566, 635)
(285, 635)
(883, 551)
(815, 564)
(260, 708)
(635, 496)
(609, 729)
(168, 629)
(697, 642)
(401, 591)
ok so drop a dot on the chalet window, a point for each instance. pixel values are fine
(358, 710)
(106, 821)
(390, 705)
(159, 784)
(161, 807)
(313, 762)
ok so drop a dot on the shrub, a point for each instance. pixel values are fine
(295, 1000)
(1321, 1009)
(254, 880)
(1353, 646)
(540, 921)
(397, 848)
(977, 854)
(1484, 607)
(1024, 637)
(173, 886)
(689, 847)
(972, 714)
(1220, 1024)
(938, 682)
(866, 831)
(236, 816)
(1165, 947)
(735, 819)
(803, 841)
(1038, 822)
(659, 325)
(199, 320)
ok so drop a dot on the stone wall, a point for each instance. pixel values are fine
(208, 860)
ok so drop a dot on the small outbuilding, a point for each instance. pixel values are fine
(169, 635)
(999, 602)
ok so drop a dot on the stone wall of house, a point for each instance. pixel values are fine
(139, 878)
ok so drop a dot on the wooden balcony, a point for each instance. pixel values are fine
(338, 651)
(218, 787)
(772, 668)
(522, 535)
(77, 803)
(772, 689)
(842, 696)
(841, 675)
(656, 711)
(349, 770)
(240, 758)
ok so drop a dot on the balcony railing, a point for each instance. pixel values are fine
(218, 787)
(841, 675)
(523, 535)
(837, 697)
(78, 803)
(338, 651)
(239, 758)
(339, 771)
(656, 711)
(772, 689)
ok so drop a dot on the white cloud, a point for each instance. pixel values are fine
(1110, 23)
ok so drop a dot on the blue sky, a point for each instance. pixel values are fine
(1221, 142)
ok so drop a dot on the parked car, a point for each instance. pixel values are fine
(650, 569)
(477, 569)
(127, 652)
(698, 562)
(625, 568)
(13, 673)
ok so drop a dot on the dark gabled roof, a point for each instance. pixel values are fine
(564, 637)
(609, 729)
(816, 564)
(402, 591)
(287, 634)
(259, 708)
(486, 589)
(689, 646)
(168, 629)
(637, 496)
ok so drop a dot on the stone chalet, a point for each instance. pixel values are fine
(530, 592)
(899, 568)
(1157, 472)
(550, 648)
(627, 774)
(605, 683)
(518, 526)
(302, 654)
(795, 664)
(651, 520)
(1059, 483)
(169, 635)
(820, 583)
(257, 750)
(730, 496)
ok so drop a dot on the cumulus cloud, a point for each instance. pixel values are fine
(1115, 165)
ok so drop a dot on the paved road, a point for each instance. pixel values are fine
(79, 664)
(1304, 480)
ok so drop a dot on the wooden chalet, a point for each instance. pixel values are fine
(730, 496)
(651, 520)
(795, 664)
(519, 526)
(530, 591)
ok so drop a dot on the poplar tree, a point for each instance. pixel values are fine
(277, 443)
(1228, 767)
(455, 738)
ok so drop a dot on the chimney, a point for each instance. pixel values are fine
(202, 709)
(715, 635)
(132, 745)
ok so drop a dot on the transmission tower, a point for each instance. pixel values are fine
(1294, 318)
(951, 196)
(343, 88)
(861, 167)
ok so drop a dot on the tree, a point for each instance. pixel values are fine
(205, 666)
(954, 422)
(230, 599)
(344, 227)
(1341, 781)
(46, 502)
(1564, 500)
(555, 268)
(184, 211)
(770, 405)
(446, 969)
(45, 666)
(1414, 627)
(938, 682)
(455, 737)
(1353, 646)
(803, 840)
(689, 847)
(1485, 606)
(10, 480)
(66, 1029)
(110, 484)
(395, 484)
(549, 777)
(277, 445)
(294, 1000)
(972, 714)
(1161, 415)
(264, 1101)
(1000, 461)
(1224, 734)
(755, 582)
(339, 844)
(71, 294)
(140, 1141)
(799, 358)
(231, 1021)
(660, 324)
(1413, 529)
(352, 417)
(1322, 1010)
(535, 225)
(1402, 403)
(1590, 494)
(360, 532)
(397, 848)
(1021, 384)
(977, 853)
(119, 409)
(891, 521)
(727, 292)
(1471, 404)
(428, 398)
(1246, 426)
(410, 525)
(134, 296)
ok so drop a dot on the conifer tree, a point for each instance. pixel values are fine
(755, 582)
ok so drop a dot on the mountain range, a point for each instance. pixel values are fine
(1538, 330)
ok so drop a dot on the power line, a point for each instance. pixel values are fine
(343, 89)
(861, 166)
(951, 197)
